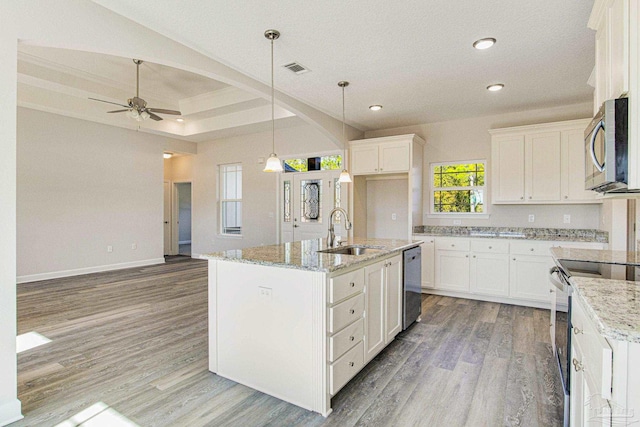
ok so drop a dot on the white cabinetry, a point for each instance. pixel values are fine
(489, 267)
(383, 302)
(428, 260)
(377, 166)
(452, 264)
(617, 69)
(540, 164)
(529, 271)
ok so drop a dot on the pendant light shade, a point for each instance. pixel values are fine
(344, 175)
(273, 163)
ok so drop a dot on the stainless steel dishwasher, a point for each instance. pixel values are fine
(412, 291)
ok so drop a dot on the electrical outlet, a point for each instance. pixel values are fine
(265, 293)
(134, 246)
(109, 248)
(394, 217)
(567, 219)
(532, 217)
(457, 222)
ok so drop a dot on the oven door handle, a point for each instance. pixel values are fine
(592, 146)
(554, 273)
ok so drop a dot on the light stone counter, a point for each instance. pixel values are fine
(597, 255)
(304, 255)
(516, 233)
(613, 305)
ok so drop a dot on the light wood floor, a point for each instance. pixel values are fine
(136, 340)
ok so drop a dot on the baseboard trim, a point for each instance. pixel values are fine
(10, 412)
(489, 298)
(88, 270)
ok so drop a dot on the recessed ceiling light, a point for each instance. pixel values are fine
(484, 43)
(496, 87)
(180, 120)
(167, 155)
(375, 107)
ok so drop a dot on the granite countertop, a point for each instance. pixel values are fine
(303, 255)
(597, 255)
(613, 305)
(521, 233)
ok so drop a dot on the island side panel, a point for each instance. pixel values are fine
(266, 328)
(212, 319)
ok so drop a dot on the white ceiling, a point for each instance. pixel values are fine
(414, 56)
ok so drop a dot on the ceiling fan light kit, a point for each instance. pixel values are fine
(136, 107)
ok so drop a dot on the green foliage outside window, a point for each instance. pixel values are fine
(326, 163)
(458, 188)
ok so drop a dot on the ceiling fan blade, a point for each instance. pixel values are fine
(161, 111)
(118, 111)
(109, 102)
(154, 117)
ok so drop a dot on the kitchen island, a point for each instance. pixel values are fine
(298, 323)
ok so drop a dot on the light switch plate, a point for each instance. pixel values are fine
(567, 219)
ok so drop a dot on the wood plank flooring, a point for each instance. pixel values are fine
(136, 340)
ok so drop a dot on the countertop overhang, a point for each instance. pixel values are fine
(304, 255)
(613, 305)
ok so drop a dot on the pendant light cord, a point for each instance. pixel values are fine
(344, 141)
(273, 115)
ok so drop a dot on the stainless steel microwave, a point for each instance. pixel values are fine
(606, 144)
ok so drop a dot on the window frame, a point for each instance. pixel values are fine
(222, 200)
(458, 215)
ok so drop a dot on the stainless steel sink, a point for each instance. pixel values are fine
(352, 250)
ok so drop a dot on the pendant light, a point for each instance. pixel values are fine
(344, 175)
(273, 162)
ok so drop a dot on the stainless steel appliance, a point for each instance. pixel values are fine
(606, 145)
(412, 291)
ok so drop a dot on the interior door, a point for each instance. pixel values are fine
(167, 218)
(307, 200)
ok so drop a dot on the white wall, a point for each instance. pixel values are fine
(260, 189)
(386, 197)
(83, 186)
(469, 139)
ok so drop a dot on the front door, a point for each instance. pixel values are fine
(307, 200)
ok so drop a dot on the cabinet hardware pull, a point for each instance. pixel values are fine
(550, 291)
(577, 331)
(577, 365)
(474, 256)
(490, 247)
(452, 245)
(529, 197)
(351, 363)
(531, 249)
(514, 259)
(466, 256)
(352, 338)
(352, 311)
(353, 285)
(521, 197)
(566, 197)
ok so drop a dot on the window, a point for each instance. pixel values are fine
(302, 165)
(458, 188)
(231, 199)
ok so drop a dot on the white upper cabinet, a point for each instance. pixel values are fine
(384, 155)
(617, 69)
(540, 164)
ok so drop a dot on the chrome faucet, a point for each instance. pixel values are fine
(331, 237)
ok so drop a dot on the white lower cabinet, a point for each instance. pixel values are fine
(489, 268)
(452, 264)
(428, 249)
(383, 304)
(529, 277)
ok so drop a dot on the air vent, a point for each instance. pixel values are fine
(296, 68)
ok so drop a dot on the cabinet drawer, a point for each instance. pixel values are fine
(346, 368)
(597, 354)
(345, 313)
(490, 246)
(341, 287)
(345, 339)
(452, 244)
(530, 248)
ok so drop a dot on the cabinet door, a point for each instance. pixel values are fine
(542, 167)
(553, 296)
(428, 262)
(364, 159)
(393, 298)
(374, 334)
(618, 48)
(573, 161)
(529, 277)
(452, 270)
(507, 159)
(579, 391)
(394, 157)
(602, 64)
(489, 274)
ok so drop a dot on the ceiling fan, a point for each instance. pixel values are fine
(136, 106)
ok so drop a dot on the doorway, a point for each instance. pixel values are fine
(167, 218)
(307, 198)
(183, 223)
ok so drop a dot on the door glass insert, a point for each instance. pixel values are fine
(286, 201)
(336, 199)
(311, 199)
